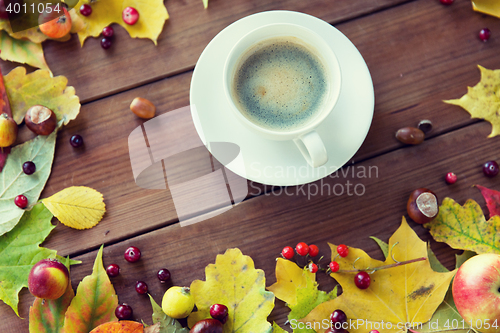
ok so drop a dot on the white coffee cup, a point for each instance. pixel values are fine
(305, 137)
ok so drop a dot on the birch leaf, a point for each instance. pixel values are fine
(234, 282)
(13, 181)
(77, 207)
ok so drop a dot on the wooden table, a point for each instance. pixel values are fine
(419, 53)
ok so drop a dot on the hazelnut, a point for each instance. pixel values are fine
(410, 135)
(422, 206)
(143, 108)
(40, 120)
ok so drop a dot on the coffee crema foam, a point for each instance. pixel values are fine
(280, 84)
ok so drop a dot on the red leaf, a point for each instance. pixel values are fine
(492, 199)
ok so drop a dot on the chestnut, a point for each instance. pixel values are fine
(410, 135)
(40, 120)
(422, 205)
(207, 326)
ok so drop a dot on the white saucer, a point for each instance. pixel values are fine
(280, 162)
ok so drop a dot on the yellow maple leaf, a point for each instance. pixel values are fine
(77, 207)
(490, 7)
(289, 278)
(234, 282)
(398, 296)
(483, 100)
(152, 17)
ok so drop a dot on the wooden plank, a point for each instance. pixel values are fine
(131, 62)
(400, 101)
(261, 226)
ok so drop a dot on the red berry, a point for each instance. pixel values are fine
(313, 268)
(76, 141)
(338, 316)
(334, 266)
(29, 168)
(484, 34)
(141, 287)
(343, 250)
(302, 249)
(219, 312)
(132, 254)
(123, 312)
(106, 43)
(450, 178)
(85, 10)
(21, 201)
(130, 15)
(163, 275)
(313, 250)
(374, 331)
(108, 31)
(113, 270)
(362, 280)
(490, 169)
(287, 252)
(447, 2)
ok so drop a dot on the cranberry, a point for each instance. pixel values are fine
(108, 32)
(362, 280)
(123, 312)
(21, 201)
(450, 178)
(106, 43)
(130, 15)
(484, 34)
(132, 254)
(141, 287)
(113, 270)
(85, 10)
(490, 169)
(447, 2)
(76, 141)
(163, 275)
(338, 317)
(219, 312)
(29, 168)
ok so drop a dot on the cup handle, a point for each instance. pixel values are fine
(312, 148)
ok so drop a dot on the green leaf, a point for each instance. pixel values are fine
(22, 51)
(20, 250)
(465, 228)
(13, 181)
(95, 301)
(33, 34)
(278, 329)
(436, 265)
(167, 324)
(461, 258)
(383, 245)
(25, 90)
(47, 316)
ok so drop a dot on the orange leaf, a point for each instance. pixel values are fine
(124, 326)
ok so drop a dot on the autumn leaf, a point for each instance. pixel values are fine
(278, 329)
(166, 324)
(95, 301)
(33, 34)
(205, 3)
(77, 207)
(152, 17)
(25, 90)
(490, 7)
(20, 251)
(22, 51)
(47, 316)
(465, 228)
(13, 181)
(492, 199)
(405, 294)
(482, 101)
(123, 326)
(234, 282)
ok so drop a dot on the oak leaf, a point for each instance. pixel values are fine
(33, 35)
(94, 303)
(25, 90)
(234, 282)
(492, 199)
(483, 101)
(22, 51)
(398, 296)
(77, 207)
(123, 326)
(490, 7)
(465, 228)
(152, 17)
